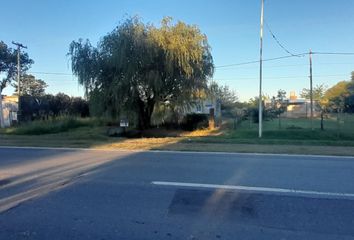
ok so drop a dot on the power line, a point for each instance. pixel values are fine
(52, 73)
(277, 58)
(264, 60)
(290, 65)
(237, 64)
(65, 82)
(334, 53)
(284, 57)
(276, 39)
(55, 81)
(281, 77)
(242, 63)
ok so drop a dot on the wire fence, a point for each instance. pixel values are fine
(333, 126)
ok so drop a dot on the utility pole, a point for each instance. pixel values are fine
(19, 46)
(311, 92)
(260, 111)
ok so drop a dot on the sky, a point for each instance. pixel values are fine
(47, 27)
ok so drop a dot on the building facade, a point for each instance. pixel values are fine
(9, 110)
(210, 106)
(300, 107)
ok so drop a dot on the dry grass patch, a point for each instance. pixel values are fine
(202, 133)
(139, 143)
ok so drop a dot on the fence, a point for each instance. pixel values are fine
(335, 126)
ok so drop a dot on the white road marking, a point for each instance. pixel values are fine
(258, 189)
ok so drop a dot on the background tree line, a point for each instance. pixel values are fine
(337, 99)
(37, 104)
(53, 106)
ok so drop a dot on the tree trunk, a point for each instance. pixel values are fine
(322, 120)
(2, 122)
(145, 111)
(279, 122)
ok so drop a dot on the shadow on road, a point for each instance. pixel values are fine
(35, 172)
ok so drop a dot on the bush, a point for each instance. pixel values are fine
(40, 127)
(79, 107)
(254, 114)
(195, 121)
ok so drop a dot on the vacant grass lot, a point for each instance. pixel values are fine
(294, 137)
(292, 131)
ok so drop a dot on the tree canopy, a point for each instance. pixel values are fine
(30, 86)
(8, 64)
(227, 97)
(8, 69)
(317, 92)
(137, 66)
(280, 102)
(339, 97)
(336, 94)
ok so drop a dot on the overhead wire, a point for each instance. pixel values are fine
(240, 63)
(51, 73)
(334, 53)
(287, 65)
(264, 60)
(280, 77)
(276, 39)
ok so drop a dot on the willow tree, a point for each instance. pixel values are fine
(137, 66)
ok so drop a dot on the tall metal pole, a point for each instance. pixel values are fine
(260, 111)
(19, 46)
(311, 92)
(18, 74)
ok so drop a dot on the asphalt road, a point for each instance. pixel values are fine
(86, 194)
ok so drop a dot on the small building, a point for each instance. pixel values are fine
(208, 106)
(9, 109)
(300, 107)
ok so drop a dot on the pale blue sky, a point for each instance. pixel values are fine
(47, 27)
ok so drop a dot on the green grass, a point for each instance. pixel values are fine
(295, 136)
(298, 129)
(292, 132)
(50, 126)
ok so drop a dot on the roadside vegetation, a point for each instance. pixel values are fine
(295, 138)
(141, 83)
(56, 125)
(294, 132)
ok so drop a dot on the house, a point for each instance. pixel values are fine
(300, 107)
(9, 109)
